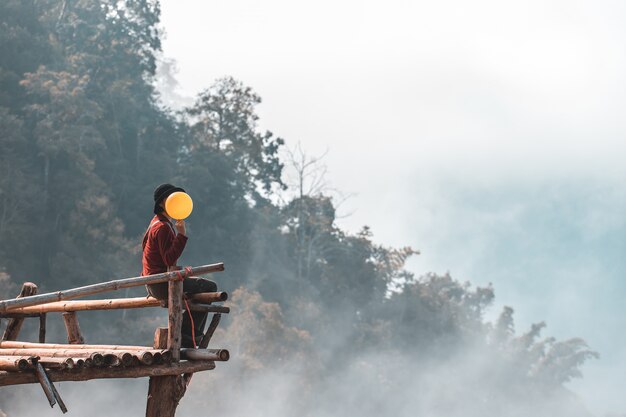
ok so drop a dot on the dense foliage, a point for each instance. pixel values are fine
(83, 143)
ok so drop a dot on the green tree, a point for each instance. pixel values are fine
(76, 203)
(224, 120)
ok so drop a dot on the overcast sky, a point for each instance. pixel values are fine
(487, 134)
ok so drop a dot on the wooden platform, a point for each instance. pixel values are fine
(167, 365)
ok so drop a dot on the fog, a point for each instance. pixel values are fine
(492, 131)
(463, 380)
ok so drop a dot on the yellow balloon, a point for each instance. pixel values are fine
(178, 205)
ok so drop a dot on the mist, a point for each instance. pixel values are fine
(452, 375)
(486, 134)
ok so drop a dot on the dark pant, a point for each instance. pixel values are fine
(191, 285)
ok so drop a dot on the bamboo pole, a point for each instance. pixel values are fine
(48, 386)
(52, 353)
(13, 364)
(205, 354)
(111, 359)
(103, 357)
(215, 321)
(105, 287)
(24, 362)
(31, 345)
(88, 305)
(166, 356)
(126, 358)
(209, 308)
(144, 357)
(97, 358)
(208, 297)
(110, 304)
(45, 382)
(58, 363)
(86, 374)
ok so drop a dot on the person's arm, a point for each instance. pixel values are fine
(170, 246)
(180, 227)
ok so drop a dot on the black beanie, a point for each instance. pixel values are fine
(161, 193)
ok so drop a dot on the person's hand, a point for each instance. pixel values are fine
(180, 227)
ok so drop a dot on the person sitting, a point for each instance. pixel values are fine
(163, 243)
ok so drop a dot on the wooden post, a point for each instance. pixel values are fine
(42, 328)
(160, 338)
(164, 392)
(15, 325)
(74, 336)
(175, 318)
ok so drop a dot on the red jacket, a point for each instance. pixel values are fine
(161, 246)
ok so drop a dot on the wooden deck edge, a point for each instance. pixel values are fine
(86, 374)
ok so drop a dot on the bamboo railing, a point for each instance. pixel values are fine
(106, 287)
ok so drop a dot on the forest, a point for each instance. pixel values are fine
(331, 320)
